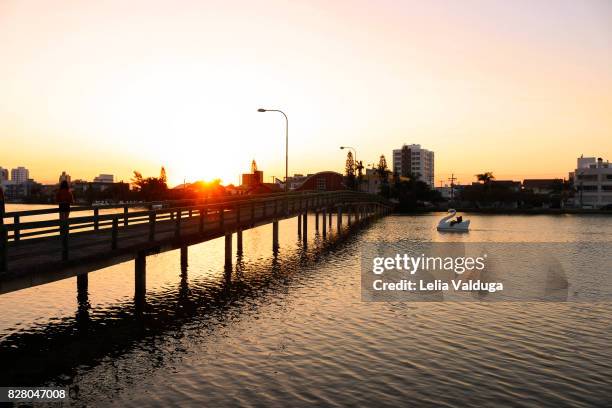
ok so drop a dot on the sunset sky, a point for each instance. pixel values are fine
(520, 88)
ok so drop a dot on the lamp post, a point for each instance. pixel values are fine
(286, 144)
(353, 149)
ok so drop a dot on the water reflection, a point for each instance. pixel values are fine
(289, 328)
(52, 353)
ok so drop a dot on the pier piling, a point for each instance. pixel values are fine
(140, 276)
(239, 241)
(324, 218)
(184, 257)
(228, 249)
(275, 235)
(82, 286)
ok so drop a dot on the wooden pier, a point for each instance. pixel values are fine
(38, 252)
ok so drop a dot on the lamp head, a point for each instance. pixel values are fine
(341, 147)
(261, 110)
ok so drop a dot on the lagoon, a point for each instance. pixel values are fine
(293, 330)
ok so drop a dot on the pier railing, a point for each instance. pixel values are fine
(22, 229)
(16, 216)
(179, 217)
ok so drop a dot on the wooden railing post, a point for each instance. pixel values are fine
(202, 219)
(152, 218)
(125, 216)
(3, 248)
(253, 213)
(237, 207)
(65, 230)
(114, 232)
(177, 227)
(16, 228)
(96, 219)
(221, 217)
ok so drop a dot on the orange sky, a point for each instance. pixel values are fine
(518, 88)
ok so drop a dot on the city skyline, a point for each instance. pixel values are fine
(500, 90)
(24, 174)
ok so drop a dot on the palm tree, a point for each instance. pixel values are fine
(485, 177)
(359, 169)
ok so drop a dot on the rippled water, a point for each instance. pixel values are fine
(291, 330)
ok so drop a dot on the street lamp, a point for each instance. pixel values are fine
(286, 144)
(353, 149)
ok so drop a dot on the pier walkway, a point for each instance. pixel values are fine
(38, 252)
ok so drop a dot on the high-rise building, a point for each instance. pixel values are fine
(4, 175)
(20, 175)
(593, 182)
(414, 160)
(64, 177)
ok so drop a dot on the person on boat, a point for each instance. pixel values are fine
(64, 199)
(456, 221)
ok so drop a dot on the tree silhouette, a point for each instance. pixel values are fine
(150, 188)
(383, 174)
(485, 177)
(349, 168)
(359, 166)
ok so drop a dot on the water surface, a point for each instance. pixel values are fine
(291, 329)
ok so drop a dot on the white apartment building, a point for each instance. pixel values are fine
(104, 178)
(19, 175)
(412, 159)
(593, 182)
